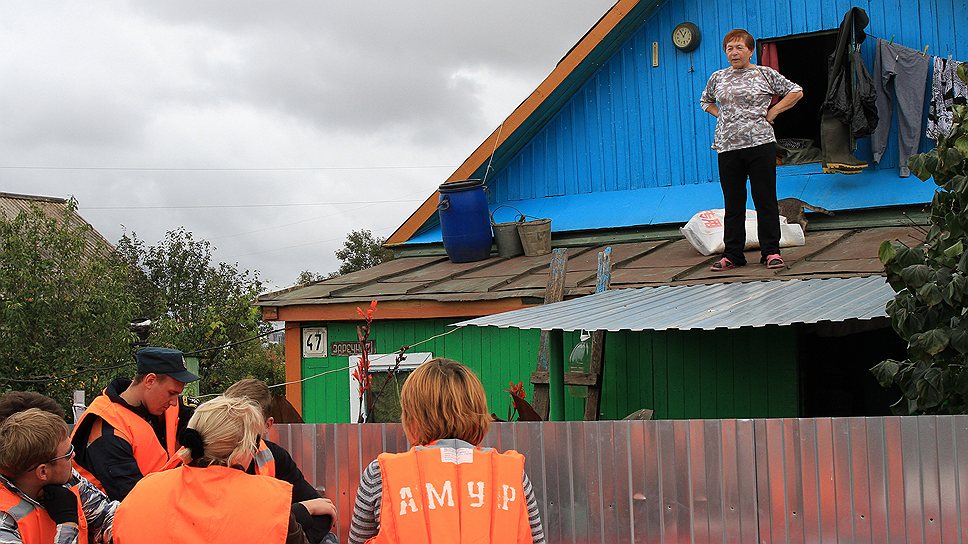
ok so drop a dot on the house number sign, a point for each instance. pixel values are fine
(314, 342)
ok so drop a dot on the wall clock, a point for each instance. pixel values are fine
(685, 37)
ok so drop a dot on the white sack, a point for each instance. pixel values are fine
(705, 232)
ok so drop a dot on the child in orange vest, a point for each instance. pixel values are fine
(446, 486)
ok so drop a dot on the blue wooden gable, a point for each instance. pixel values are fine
(631, 147)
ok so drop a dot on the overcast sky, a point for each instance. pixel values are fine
(271, 129)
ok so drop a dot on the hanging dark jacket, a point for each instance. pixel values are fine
(850, 90)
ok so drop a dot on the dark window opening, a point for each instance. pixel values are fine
(802, 60)
(835, 362)
(385, 406)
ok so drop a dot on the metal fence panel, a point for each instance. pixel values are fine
(825, 480)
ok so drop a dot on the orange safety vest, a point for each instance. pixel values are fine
(265, 463)
(33, 522)
(133, 429)
(439, 493)
(214, 505)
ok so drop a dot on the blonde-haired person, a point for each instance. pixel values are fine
(314, 513)
(446, 488)
(210, 499)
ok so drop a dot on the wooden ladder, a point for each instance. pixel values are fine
(592, 379)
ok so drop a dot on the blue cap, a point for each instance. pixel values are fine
(164, 361)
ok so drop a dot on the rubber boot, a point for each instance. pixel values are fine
(835, 146)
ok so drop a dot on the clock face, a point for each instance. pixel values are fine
(685, 37)
(682, 36)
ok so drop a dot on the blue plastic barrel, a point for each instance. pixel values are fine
(464, 223)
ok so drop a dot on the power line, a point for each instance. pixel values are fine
(206, 206)
(304, 244)
(44, 379)
(226, 169)
(302, 221)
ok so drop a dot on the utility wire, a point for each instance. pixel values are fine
(44, 379)
(228, 169)
(208, 206)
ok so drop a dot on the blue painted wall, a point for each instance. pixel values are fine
(632, 146)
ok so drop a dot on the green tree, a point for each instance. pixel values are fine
(64, 306)
(361, 250)
(202, 306)
(930, 309)
(307, 276)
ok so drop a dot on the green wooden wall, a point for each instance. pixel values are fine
(679, 374)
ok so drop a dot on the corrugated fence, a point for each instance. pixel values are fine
(891, 479)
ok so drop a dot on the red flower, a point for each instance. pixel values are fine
(368, 314)
(517, 390)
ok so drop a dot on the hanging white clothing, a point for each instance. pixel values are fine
(947, 89)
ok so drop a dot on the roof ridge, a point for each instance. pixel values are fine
(37, 198)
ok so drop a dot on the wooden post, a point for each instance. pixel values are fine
(554, 292)
(192, 389)
(597, 362)
(556, 374)
(77, 405)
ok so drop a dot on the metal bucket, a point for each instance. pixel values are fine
(506, 235)
(535, 237)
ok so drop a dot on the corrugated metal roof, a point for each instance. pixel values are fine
(707, 307)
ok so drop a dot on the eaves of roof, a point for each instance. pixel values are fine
(432, 286)
(534, 112)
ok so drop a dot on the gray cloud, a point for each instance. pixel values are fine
(244, 84)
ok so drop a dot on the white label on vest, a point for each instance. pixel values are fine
(435, 499)
(509, 496)
(456, 456)
(479, 495)
(406, 499)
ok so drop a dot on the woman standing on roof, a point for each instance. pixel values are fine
(739, 97)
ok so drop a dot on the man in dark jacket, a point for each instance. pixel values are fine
(130, 430)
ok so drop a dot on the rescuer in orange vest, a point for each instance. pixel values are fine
(446, 488)
(314, 513)
(97, 511)
(211, 500)
(130, 430)
(36, 505)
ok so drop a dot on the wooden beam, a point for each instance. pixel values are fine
(294, 366)
(596, 364)
(556, 375)
(571, 378)
(554, 292)
(399, 309)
